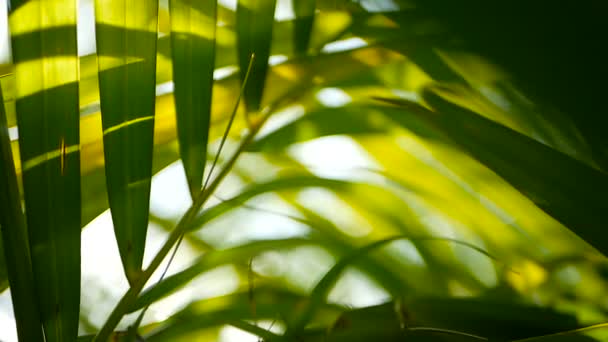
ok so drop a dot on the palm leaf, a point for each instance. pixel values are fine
(126, 49)
(46, 75)
(255, 20)
(193, 51)
(15, 243)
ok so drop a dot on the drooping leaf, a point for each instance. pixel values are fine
(321, 290)
(563, 187)
(46, 78)
(15, 244)
(193, 51)
(598, 332)
(269, 302)
(209, 261)
(255, 20)
(126, 49)
(286, 183)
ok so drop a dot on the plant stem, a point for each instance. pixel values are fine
(128, 299)
(131, 295)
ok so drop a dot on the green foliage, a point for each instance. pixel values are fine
(437, 170)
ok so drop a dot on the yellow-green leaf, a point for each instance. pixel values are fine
(126, 50)
(46, 79)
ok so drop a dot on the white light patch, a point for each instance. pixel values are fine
(170, 197)
(5, 56)
(85, 28)
(13, 133)
(277, 59)
(333, 97)
(232, 334)
(379, 6)
(282, 118)
(344, 45)
(332, 156)
(224, 72)
(356, 290)
(8, 327)
(164, 88)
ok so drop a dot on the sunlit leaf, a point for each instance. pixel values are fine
(126, 49)
(193, 51)
(46, 74)
(563, 187)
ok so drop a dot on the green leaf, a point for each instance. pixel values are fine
(268, 302)
(598, 332)
(15, 244)
(209, 261)
(353, 120)
(494, 318)
(46, 77)
(321, 290)
(305, 16)
(286, 183)
(126, 49)
(193, 51)
(255, 19)
(563, 187)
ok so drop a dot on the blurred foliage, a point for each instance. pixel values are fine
(397, 170)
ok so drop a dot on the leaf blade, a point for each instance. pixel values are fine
(255, 19)
(43, 38)
(16, 246)
(126, 49)
(193, 51)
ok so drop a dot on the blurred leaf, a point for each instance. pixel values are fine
(46, 75)
(126, 49)
(304, 11)
(598, 332)
(209, 261)
(255, 20)
(16, 249)
(321, 290)
(496, 319)
(268, 303)
(193, 51)
(563, 187)
(531, 40)
(279, 184)
(353, 119)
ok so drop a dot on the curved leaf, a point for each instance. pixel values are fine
(208, 261)
(287, 183)
(563, 187)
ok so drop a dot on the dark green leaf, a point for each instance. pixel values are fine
(193, 51)
(46, 76)
(565, 188)
(126, 49)
(305, 15)
(15, 243)
(255, 19)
